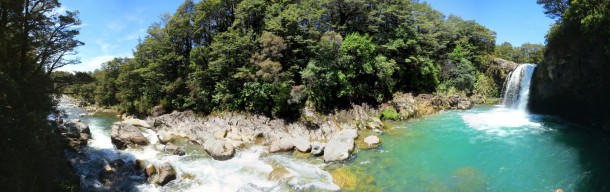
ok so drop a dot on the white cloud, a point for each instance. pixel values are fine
(92, 63)
(106, 47)
(135, 35)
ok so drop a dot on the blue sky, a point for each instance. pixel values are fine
(514, 21)
(111, 28)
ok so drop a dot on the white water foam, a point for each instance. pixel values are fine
(502, 122)
(247, 171)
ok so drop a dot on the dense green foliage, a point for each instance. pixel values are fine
(573, 78)
(526, 53)
(273, 57)
(33, 43)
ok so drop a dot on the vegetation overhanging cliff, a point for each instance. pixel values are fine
(572, 81)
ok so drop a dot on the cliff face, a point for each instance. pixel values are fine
(573, 81)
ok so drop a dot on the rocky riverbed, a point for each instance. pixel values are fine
(320, 138)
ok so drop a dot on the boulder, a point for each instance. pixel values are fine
(340, 145)
(317, 148)
(374, 123)
(404, 103)
(108, 174)
(123, 134)
(165, 137)
(220, 134)
(302, 144)
(371, 140)
(137, 122)
(173, 149)
(281, 145)
(76, 129)
(166, 174)
(219, 149)
(150, 170)
(75, 133)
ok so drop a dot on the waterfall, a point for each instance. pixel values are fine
(517, 88)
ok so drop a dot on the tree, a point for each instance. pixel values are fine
(34, 42)
(554, 8)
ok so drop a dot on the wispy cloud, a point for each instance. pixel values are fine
(106, 47)
(135, 35)
(92, 64)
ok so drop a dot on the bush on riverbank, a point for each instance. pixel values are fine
(273, 57)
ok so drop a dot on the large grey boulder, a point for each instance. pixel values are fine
(340, 145)
(219, 149)
(123, 134)
(76, 129)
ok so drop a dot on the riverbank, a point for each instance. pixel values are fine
(332, 137)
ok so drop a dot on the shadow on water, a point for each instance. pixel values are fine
(90, 164)
(593, 147)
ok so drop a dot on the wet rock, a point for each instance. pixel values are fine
(280, 174)
(173, 149)
(150, 170)
(219, 149)
(340, 146)
(317, 148)
(117, 163)
(74, 132)
(126, 134)
(165, 137)
(166, 174)
(302, 144)
(281, 145)
(108, 175)
(371, 140)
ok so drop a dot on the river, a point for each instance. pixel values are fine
(487, 148)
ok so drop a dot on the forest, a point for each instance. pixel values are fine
(275, 57)
(265, 57)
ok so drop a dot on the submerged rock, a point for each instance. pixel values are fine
(340, 146)
(280, 174)
(123, 134)
(173, 149)
(219, 149)
(166, 174)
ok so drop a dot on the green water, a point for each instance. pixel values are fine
(486, 149)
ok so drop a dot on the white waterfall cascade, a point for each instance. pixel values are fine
(517, 88)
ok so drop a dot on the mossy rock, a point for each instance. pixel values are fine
(353, 181)
(390, 114)
(301, 155)
(344, 179)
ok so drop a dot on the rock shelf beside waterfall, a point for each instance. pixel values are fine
(330, 136)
